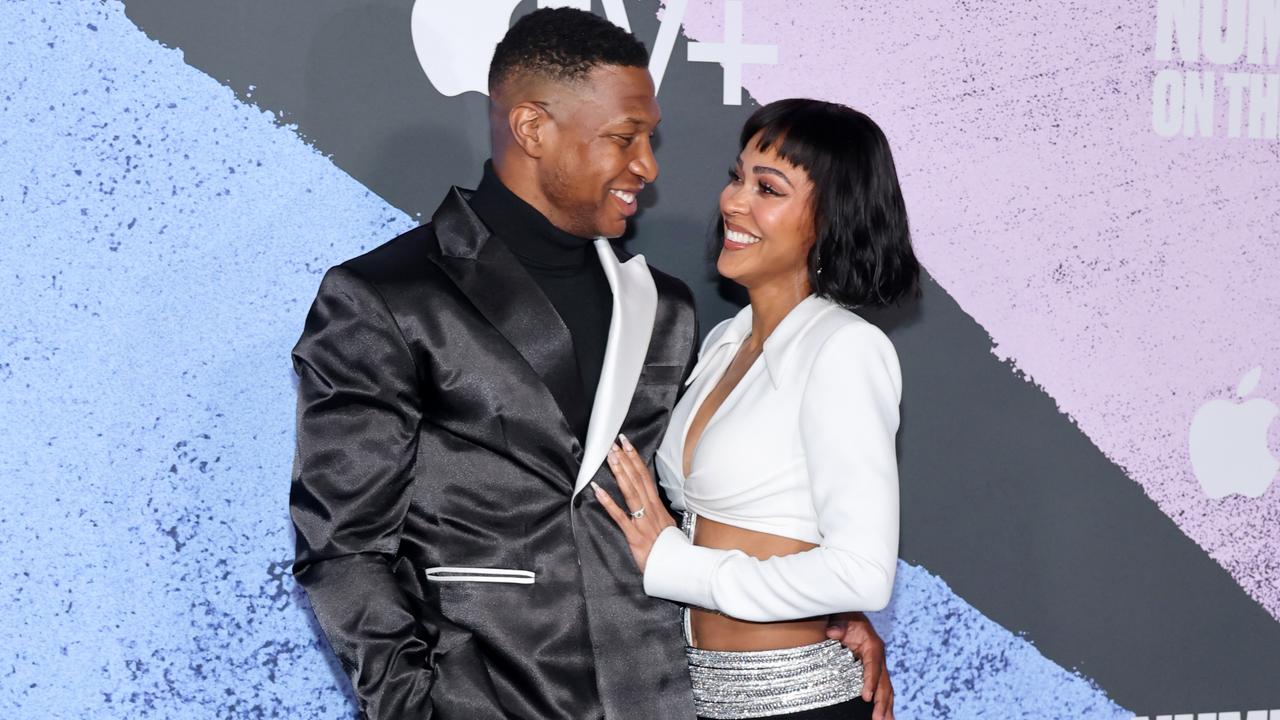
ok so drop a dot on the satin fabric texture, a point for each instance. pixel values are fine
(444, 541)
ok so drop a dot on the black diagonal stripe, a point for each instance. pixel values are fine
(1023, 516)
(1002, 495)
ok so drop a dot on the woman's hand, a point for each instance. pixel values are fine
(645, 516)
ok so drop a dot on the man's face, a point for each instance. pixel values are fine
(601, 157)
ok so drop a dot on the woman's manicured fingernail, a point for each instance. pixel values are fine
(596, 487)
(625, 442)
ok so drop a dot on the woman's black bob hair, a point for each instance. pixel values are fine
(862, 254)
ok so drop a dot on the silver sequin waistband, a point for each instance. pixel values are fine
(734, 685)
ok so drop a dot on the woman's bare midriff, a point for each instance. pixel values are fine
(713, 631)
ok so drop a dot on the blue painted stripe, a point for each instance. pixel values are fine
(162, 244)
(948, 661)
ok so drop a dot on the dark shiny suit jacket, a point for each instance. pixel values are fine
(443, 536)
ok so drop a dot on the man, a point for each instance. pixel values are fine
(460, 386)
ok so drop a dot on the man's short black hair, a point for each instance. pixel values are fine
(563, 45)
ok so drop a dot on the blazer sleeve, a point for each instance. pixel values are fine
(359, 409)
(848, 422)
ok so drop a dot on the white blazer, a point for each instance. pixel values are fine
(803, 447)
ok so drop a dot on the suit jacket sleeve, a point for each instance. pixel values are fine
(359, 407)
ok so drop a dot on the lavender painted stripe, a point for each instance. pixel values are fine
(1130, 276)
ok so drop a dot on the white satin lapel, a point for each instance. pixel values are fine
(635, 303)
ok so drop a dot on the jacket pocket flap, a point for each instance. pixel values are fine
(473, 574)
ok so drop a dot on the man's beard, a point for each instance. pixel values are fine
(577, 217)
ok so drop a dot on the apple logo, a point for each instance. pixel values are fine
(1229, 452)
(454, 41)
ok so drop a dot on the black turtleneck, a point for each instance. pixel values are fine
(567, 269)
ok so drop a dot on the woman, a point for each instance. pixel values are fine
(781, 451)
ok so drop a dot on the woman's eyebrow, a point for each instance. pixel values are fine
(771, 171)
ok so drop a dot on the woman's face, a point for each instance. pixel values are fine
(768, 221)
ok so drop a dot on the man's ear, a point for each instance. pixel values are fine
(531, 128)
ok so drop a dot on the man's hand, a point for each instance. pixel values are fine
(854, 631)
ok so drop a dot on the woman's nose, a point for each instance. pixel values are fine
(733, 201)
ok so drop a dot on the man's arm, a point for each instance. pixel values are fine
(855, 632)
(359, 408)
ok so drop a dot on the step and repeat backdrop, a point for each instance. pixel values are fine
(1091, 522)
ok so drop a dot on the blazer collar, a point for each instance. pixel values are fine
(509, 298)
(778, 347)
(458, 229)
(635, 305)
